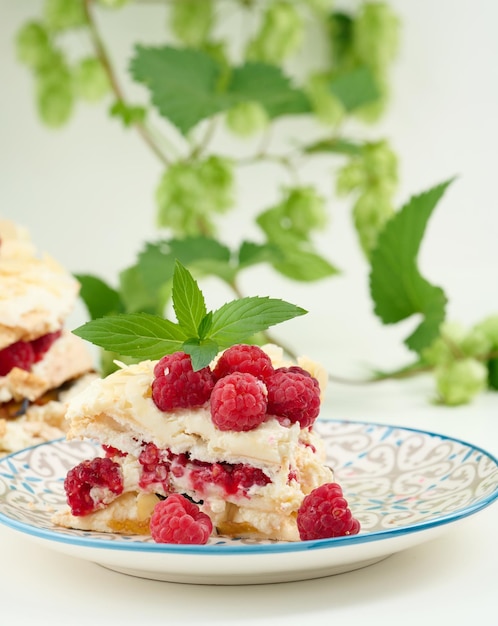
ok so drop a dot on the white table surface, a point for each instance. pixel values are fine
(449, 580)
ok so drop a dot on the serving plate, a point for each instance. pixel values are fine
(406, 487)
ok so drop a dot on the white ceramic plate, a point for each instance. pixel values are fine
(405, 486)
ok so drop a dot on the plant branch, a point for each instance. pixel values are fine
(116, 88)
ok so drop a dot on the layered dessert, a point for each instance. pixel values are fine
(41, 363)
(229, 449)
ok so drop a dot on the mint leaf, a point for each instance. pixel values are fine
(355, 88)
(98, 297)
(201, 352)
(183, 83)
(188, 301)
(235, 321)
(138, 335)
(200, 333)
(397, 288)
(266, 84)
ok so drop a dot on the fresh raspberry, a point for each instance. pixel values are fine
(92, 484)
(177, 385)
(178, 520)
(155, 469)
(238, 402)
(324, 513)
(293, 397)
(19, 354)
(43, 343)
(299, 370)
(244, 358)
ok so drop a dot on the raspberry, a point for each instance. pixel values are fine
(19, 354)
(155, 470)
(43, 343)
(324, 513)
(244, 358)
(178, 520)
(293, 397)
(238, 402)
(177, 385)
(92, 484)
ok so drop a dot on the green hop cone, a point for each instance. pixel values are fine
(54, 90)
(191, 20)
(32, 45)
(460, 381)
(62, 15)
(190, 194)
(351, 177)
(280, 35)
(90, 80)
(371, 211)
(305, 210)
(327, 107)
(246, 118)
(447, 347)
(489, 326)
(55, 102)
(291, 221)
(376, 35)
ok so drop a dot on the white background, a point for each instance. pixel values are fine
(86, 195)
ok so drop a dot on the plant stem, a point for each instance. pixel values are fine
(103, 56)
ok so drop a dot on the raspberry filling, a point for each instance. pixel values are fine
(230, 478)
(24, 354)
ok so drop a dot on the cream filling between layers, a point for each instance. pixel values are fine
(67, 358)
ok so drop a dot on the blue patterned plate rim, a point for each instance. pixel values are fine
(87, 541)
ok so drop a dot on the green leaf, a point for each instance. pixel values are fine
(139, 296)
(128, 114)
(493, 374)
(184, 83)
(302, 264)
(335, 146)
(201, 352)
(99, 298)
(188, 301)
(138, 335)
(355, 88)
(254, 253)
(235, 321)
(397, 288)
(267, 85)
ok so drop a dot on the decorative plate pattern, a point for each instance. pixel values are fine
(404, 486)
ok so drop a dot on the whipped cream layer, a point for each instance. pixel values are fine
(36, 292)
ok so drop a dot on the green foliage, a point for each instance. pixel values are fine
(197, 331)
(396, 285)
(251, 80)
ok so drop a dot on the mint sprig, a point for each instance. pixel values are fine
(198, 332)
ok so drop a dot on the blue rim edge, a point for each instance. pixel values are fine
(299, 546)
